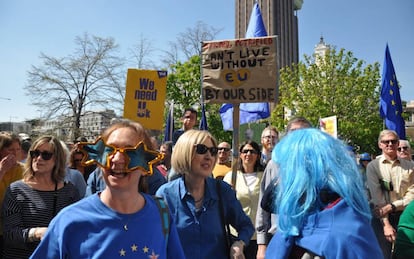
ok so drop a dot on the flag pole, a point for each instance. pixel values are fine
(235, 144)
(172, 120)
(203, 121)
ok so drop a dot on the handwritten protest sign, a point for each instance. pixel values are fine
(240, 70)
(145, 97)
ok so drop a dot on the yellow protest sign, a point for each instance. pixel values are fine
(329, 125)
(145, 97)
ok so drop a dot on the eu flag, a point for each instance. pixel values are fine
(390, 100)
(169, 124)
(249, 112)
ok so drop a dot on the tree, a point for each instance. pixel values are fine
(142, 53)
(66, 86)
(184, 87)
(190, 40)
(184, 78)
(336, 84)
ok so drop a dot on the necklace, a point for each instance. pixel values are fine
(129, 216)
(126, 223)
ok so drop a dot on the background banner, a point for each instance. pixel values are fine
(145, 97)
(329, 125)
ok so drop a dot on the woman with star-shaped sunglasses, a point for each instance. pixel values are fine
(120, 220)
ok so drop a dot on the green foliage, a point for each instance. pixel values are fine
(215, 126)
(184, 90)
(183, 85)
(338, 84)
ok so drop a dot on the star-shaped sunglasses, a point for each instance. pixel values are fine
(138, 157)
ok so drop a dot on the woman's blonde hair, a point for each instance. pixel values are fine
(183, 152)
(59, 156)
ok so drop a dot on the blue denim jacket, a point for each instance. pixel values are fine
(201, 231)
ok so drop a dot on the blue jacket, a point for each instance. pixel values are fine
(201, 232)
(338, 232)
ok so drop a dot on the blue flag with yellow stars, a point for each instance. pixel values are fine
(390, 100)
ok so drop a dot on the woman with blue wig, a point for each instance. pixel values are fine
(323, 210)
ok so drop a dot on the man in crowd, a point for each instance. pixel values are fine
(391, 185)
(266, 222)
(270, 136)
(223, 165)
(404, 149)
(189, 120)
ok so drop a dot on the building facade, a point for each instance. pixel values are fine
(409, 123)
(92, 124)
(15, 127)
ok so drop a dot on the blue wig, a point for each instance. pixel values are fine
(310, 162)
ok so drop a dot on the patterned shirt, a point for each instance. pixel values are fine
(25, 208)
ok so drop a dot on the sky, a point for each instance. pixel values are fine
(28, 28)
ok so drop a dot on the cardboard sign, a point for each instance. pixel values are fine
(240, 70)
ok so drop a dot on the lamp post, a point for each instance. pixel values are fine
(7, 99)
(11, 128)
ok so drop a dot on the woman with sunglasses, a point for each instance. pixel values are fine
(246, 183)
(120, 221)
(200, 205)
(31, 203)
(75, 162)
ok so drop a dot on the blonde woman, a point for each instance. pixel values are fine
(194, 201)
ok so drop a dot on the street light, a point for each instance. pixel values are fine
(11, 123)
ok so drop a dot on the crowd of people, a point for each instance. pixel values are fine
(296, 193)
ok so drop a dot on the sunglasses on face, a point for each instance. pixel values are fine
(138, 157)
(225, 149)
(45, 155)
(201, 149)
(402, 149)
(390, 142)
(252, 151)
